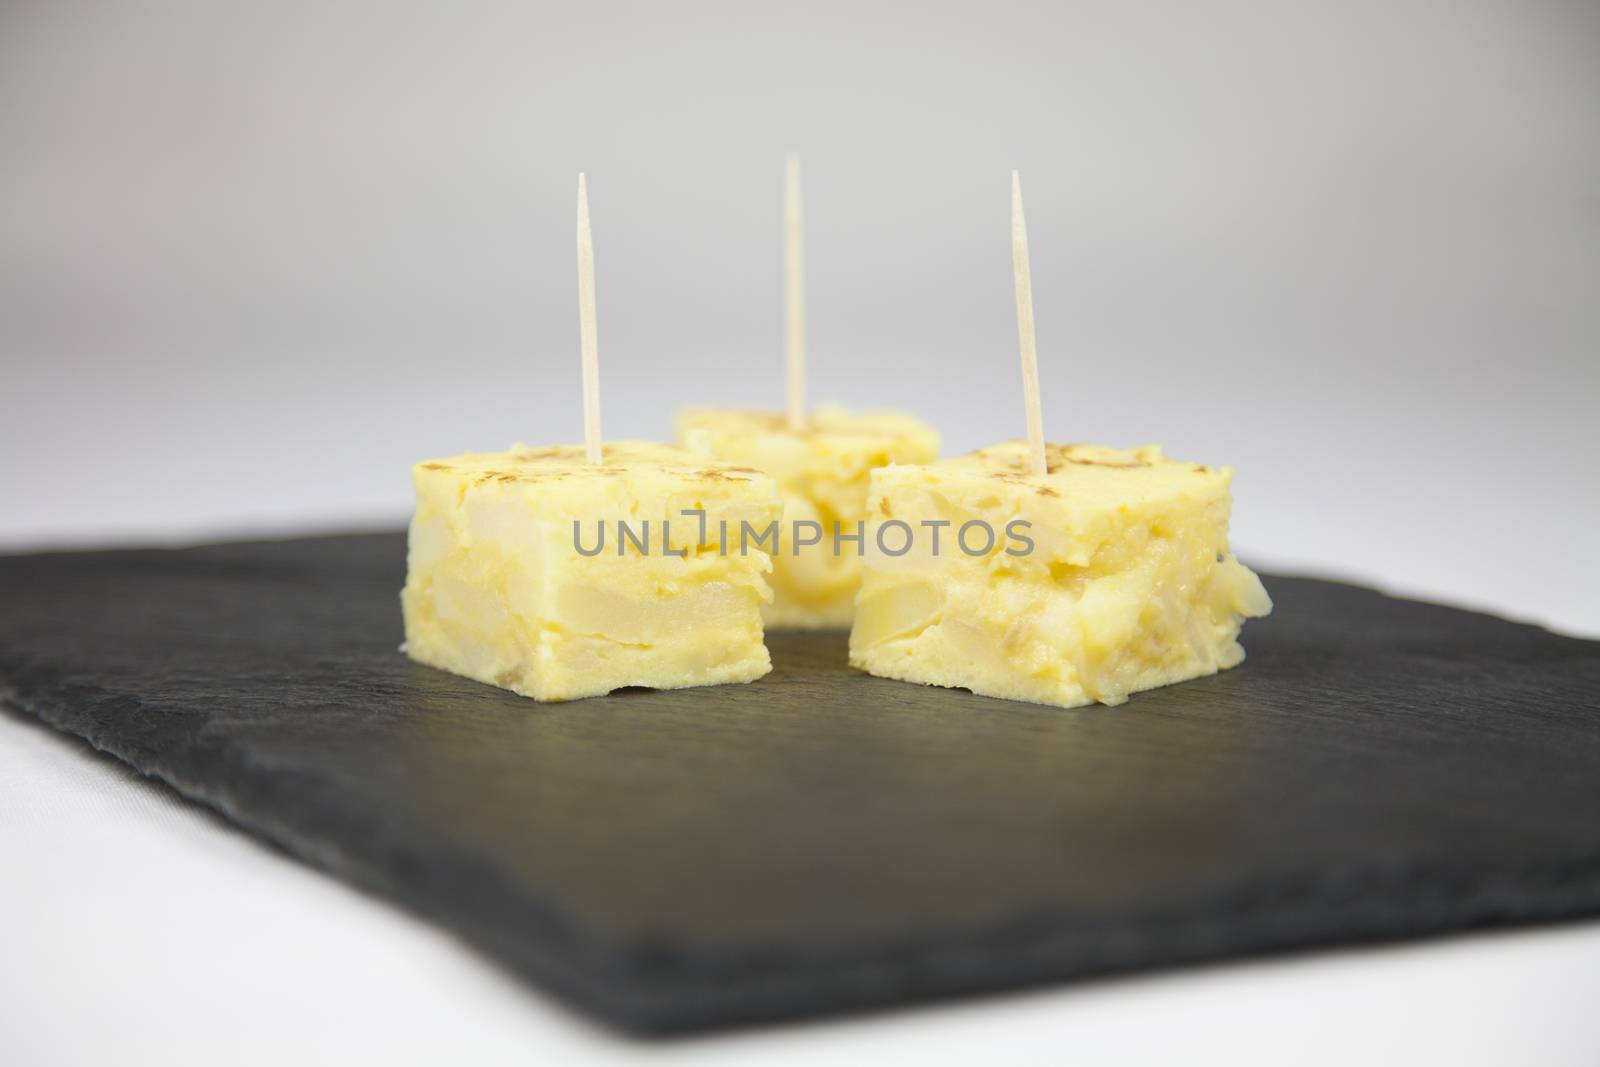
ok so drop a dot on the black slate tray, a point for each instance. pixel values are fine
(822, 840)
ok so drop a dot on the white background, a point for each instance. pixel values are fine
(257, 259)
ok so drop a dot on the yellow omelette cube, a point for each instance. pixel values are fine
(1106, 576)
(527, 570)
(822, 472)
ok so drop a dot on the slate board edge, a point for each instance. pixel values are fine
(682, 994)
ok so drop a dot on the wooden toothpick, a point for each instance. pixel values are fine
(587, 330)
(1025, 336)
(795, 290)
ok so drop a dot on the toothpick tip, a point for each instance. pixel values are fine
(795, 291)
(1025, 330)
(586, 328)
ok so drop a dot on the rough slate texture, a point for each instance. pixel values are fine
(821, 840)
